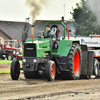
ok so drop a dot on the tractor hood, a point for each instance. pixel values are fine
(37, 48)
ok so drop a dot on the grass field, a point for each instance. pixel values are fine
(6, 72)
(7, 61)
(2, 72)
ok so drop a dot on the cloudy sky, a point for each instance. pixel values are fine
(16, 10)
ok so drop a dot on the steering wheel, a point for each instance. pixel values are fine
(54, 28)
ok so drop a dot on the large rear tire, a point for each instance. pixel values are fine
(15, 69)
(31, 74)
(51, 71)
(74, 63)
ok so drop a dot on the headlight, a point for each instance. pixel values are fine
(34, 60)
(24, 60)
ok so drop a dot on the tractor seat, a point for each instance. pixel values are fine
(56, 42)
(56, 29)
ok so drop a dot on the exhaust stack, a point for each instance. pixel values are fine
(32, 33)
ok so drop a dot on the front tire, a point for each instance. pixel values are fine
(51, 71)
(74, 63)
(15, 69)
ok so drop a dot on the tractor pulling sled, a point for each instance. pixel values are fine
(68, 58)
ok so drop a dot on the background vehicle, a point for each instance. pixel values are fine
(66, 57)
(1, 43)
(9, 51)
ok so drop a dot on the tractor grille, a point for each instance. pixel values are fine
(29, 50)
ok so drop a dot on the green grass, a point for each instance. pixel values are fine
(7, 72)
(7, 61)
(3, 72)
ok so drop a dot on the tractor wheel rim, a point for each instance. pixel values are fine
(76, 62)
(16, 69)
(52, 71)
(9, 57)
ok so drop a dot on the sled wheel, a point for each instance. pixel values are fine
(96, 67)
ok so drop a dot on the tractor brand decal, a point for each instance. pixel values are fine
(82, 41)
(91, 42)
(29, 48)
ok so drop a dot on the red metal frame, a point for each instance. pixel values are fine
(68, 33)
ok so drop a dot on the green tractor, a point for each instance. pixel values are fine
(40, 57)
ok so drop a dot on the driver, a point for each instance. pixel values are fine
(49, 32)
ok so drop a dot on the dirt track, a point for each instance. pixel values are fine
(41, 89)
(4, 67)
